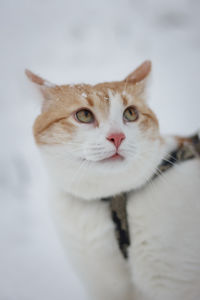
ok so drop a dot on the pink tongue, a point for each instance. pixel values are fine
(116, 156)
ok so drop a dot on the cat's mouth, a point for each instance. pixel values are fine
(114, 157)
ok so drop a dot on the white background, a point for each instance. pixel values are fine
(78, 41)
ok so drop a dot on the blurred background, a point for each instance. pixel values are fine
(67, 42)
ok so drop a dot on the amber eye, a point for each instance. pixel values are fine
(130, 114)
(85, 116)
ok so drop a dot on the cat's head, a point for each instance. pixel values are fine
(98, 140)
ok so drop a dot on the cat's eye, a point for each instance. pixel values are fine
(85, 116)
(130, 114)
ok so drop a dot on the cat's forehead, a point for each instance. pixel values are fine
(105, 90)
(100, 94)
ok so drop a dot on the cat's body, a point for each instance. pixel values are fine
(164, 255)
(120, 152)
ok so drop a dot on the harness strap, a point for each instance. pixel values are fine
(117, 205)
(188, 149)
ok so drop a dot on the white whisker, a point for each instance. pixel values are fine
(74, 177)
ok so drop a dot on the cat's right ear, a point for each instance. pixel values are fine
(38, 80)
(44, 86)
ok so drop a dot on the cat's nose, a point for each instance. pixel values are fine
(116, 138)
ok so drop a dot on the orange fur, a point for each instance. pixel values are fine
(56, 122)
(125, 101)
(149, 120)
(140, 73)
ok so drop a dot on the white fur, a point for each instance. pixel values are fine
(164, 216)
(84, 95)
(48, 84)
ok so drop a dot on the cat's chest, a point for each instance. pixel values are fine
(158, 209)
(84, 225)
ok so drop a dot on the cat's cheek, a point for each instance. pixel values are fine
(148, 122)
(53, 138)
(58, 132)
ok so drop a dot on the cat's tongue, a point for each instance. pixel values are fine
(115, 156)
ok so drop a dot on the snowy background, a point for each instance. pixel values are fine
(78, 41)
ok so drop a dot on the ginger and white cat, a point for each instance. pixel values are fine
(98, 141)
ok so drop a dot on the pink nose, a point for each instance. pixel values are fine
(116, 138)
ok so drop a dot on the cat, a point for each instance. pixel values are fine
(103, 140)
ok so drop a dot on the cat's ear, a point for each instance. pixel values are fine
(140, 79)
(140, 74)
(38, 80)
(45, 88)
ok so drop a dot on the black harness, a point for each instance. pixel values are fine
(190, 149)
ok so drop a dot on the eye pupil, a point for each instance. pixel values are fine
(130, 114)
(84, 116)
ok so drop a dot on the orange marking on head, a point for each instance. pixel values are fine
(124, 99)
(55, 123)
(148, 120)
(90, 101)
(57, 132)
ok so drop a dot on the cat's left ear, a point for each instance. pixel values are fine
(140, 74)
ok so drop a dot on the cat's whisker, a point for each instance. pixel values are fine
(129, 151)
(74, 177)
(148, 180)
(162, 177)
(71, 153)
(84, 168)
(151, 180)
(169, 161)
(96, 148)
